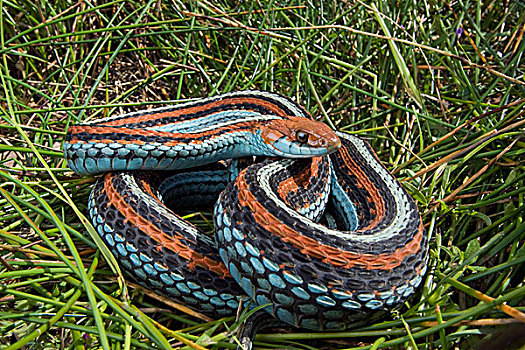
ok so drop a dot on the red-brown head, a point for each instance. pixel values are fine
(298, 137)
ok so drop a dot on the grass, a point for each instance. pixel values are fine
(437, 87)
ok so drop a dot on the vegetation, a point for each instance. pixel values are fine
(437, 87)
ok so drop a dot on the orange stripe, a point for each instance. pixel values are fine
(108, 141)
(101, 130)
(164, 240)
(363, 182)
(148, 117)
(147, 187)
(302, 179)
(141, 142)
(311, 247)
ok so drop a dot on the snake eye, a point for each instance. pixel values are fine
(301, 136)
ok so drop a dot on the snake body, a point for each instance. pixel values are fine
(269, 245)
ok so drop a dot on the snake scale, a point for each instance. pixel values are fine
(320, 241)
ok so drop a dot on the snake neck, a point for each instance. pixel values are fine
(96, 148)
(198, 133)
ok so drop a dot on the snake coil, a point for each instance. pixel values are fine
(368, 257)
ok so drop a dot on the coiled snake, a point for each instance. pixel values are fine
(369, 255)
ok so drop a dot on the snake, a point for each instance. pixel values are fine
(309, 224)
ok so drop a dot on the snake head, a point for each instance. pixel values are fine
(299, 137)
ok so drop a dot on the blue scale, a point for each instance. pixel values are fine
(209, 292)
(308, 309)
(292, 278)
(160, 267)
(190, 300)
(286, 316)
(301, 293)
(121, 249)
(248, 287)
(173, 291)
(236, 233)
(351, 304)
(251, 249)
(226, 296)
(270, 265)
(366, 296)
(135, 260)
(156, 283)
(104, 163)
(240, 249)
(310, 323)
(224, 256)
(247, 269)
(150, 270)
(108, 152)
(341, 295)
(183, 287)
(140, 273)
(145, 258)
(374, 304)
(284, 299)
(264, 284)
(166, 279)
(176, 277)
(109, 239)
(276, 281)
(334, 325)
(234, 304)
(317, 288)
(263, 300)
(325, 301)
(131, 248)
(201, 296)
(234, 272)
(118, 163)
(123, 151)
(226, 232)
(218, 302)
(193, 285)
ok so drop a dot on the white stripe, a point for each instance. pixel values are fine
(174, 126)
(284, 101)
(248, 93)
(210, 119)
